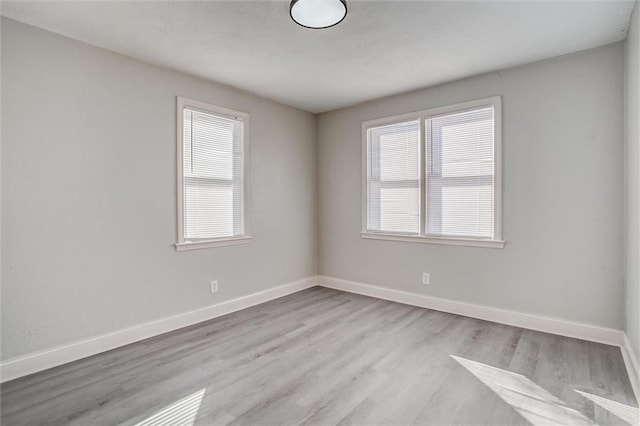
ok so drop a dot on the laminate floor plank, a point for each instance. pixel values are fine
(325, 357)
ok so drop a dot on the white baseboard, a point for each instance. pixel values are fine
(633, 366)
(557, 326)
(32, 363)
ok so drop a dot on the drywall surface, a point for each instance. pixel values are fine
(562, 195)
(89, 194)
(632, 167)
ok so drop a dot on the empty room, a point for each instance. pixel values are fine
(320, 212)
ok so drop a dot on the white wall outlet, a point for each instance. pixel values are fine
(214, 286)
(426, 278)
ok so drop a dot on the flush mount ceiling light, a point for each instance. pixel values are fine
(318, 14)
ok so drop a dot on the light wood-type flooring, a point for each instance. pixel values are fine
(326, 357)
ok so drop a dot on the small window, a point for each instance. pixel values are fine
(211, 175)
(434, 176)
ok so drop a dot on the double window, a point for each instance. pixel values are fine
(434, 176)
(211, 175)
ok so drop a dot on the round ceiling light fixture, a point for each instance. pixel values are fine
(318, 14)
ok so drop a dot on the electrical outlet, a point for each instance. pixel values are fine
(214, 286)
(426, 278)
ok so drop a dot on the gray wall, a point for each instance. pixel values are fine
(89, 204)
(89, 209)
(563, 195)
(632, 157)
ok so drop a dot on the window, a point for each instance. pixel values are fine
(211, 175)
(434, 176)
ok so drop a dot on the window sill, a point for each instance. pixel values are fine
(434, 240)
(218, 242)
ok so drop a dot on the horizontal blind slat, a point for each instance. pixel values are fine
(213, 175)
(393, 178)
(460, 192)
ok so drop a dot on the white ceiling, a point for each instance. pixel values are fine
(381, 48)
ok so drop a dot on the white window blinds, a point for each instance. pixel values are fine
(433, 174)
(393, 179)
(212, 175)
(460, 174)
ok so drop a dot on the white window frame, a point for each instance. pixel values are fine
(183, 244)
(422, 116)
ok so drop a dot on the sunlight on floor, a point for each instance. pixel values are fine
(182, 412)
(627, 413)
(530, 400)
